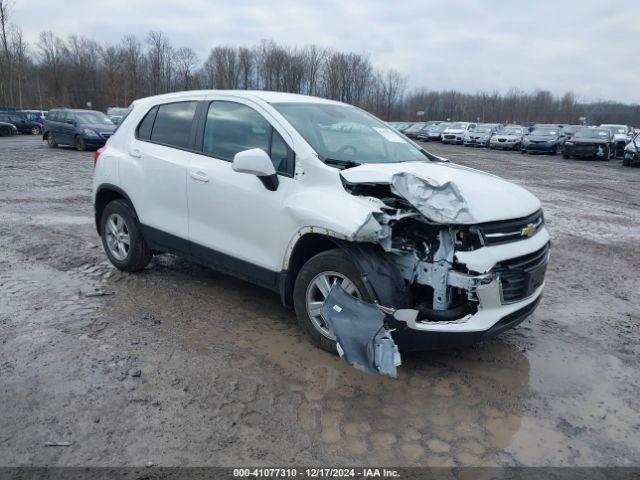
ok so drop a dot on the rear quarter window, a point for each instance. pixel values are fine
(143, 131)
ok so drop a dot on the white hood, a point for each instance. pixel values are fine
(485, 197)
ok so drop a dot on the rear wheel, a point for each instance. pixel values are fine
(35, 131)
(626, 162)
(122, 239)
(312, 286)
(51, 140)
(566, 156)
(5, 132)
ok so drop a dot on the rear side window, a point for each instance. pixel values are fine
(172, 125)
(233, 127)
(144, 129)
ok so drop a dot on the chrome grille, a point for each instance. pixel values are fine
(495, 233)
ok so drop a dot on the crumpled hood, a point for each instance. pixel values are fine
(485, 197)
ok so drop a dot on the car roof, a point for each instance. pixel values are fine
(266, 96)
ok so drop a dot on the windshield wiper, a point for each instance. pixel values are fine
(342, 164)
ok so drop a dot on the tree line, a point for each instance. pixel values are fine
(79, 72)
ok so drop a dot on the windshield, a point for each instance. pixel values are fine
(93, 118)
(545, 132)
(512, 131)
(482, 129)
(347, 134)
(592, 133)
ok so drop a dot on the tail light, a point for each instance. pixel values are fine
(96, 155)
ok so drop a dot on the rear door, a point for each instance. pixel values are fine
(155, 175)
(66, 130)
(235, 223)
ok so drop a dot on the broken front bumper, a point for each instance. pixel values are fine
(493, 316)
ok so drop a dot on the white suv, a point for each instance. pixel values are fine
(313, 198)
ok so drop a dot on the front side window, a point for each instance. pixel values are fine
(172, 124)
(341, 133)
(233, 127)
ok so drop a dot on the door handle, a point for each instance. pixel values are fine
(135, 153)
(199, 176)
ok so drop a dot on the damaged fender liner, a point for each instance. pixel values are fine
(361, 337)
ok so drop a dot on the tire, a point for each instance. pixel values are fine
(523, 152)
(79, 144)
(35, 131)
(327, 262)
(137, 255)
(626, 162)
(566, 156)
(51, 140)
(5, 132)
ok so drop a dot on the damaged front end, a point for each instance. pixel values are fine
(462, 276)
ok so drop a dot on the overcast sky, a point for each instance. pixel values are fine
(589, 47)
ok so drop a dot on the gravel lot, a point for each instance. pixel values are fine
(181, 365)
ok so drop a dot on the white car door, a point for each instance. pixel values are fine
(156, 176)
(235, 223)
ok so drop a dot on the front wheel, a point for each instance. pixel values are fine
(35, 131)
(122, 239)
(79, 144)
(312, 286)
(51, 140)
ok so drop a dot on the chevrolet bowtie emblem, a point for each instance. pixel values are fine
(528, 231)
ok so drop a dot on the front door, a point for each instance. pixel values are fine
(236, 223)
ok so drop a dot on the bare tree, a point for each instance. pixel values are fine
(186, 62)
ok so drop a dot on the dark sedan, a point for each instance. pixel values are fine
(543, 140)
(590, 143)
(22, 123)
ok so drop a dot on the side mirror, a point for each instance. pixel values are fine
(256, 162)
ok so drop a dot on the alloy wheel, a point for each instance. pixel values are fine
(117, 236)
(317, 293)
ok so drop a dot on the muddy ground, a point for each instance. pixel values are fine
(181, 365)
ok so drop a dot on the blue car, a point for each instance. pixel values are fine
(83, 129)
(543, 140)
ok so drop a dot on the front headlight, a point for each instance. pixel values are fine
(568, 144)
(87, 132)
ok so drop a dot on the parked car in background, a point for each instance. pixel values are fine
(632, 151)
(37, 116)
(569, 130)
(22, 123)
(543, 139)
(415, 129)
(480, 136)
(205, 175)
(403, 126)
(116, 114)
(509, 138)
(454, 133)
(7, 129)
(433, 132)
(622, 135)
(590, 143)
(82, 129)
